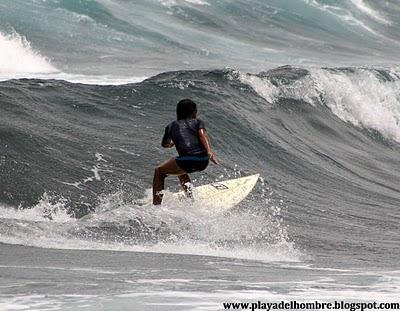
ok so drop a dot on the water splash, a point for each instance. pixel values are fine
(181, 229)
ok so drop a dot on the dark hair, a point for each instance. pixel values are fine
(186, 108)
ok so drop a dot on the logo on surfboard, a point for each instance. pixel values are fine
(219, 186)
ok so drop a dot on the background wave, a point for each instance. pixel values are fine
(126, 39)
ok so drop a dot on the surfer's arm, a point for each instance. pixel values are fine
(167, 141)
(205, 140)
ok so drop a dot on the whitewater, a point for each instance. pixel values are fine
(304, 92)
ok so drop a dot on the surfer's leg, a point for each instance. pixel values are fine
(186, 184)
(167, 168)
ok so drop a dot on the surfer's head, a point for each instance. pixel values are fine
(186, 108)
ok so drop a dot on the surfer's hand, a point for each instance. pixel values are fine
(213, 158)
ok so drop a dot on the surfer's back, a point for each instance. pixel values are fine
(185, 135)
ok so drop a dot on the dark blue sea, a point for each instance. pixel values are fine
(304, 92)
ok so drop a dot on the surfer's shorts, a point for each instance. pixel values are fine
(192, 164)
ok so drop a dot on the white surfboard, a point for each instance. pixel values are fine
(217, 197)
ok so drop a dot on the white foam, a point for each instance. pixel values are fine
(362, 99)
(359, 97)
(41, 302)
(364, 8)
(302, 89)
(189, 232)
(262, 86)
(19, 60)
(171, 3)
(75, 78)
(273, 254)
(18, 57)
(170, 292)
(46, 210)
(198, 2)
(342, 14)
(329, 289)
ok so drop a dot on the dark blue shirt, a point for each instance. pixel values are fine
(185, 135)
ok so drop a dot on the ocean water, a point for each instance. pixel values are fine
(304, 92)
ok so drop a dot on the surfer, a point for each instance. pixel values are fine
(189, 136)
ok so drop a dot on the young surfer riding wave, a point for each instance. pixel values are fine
(189, 136)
